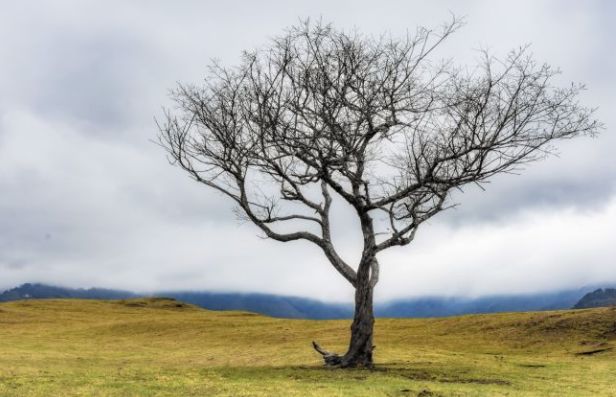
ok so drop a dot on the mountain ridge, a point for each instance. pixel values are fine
(597, 298)
(297, 307)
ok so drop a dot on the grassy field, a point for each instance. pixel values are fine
(165, 348)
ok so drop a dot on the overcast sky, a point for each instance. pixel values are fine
(86, 199)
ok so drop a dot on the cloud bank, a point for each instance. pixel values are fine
(86, 199)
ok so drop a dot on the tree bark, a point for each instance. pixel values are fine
(359, 353)
(360, 347)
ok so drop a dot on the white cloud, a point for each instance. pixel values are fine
(534, 251)
(87, 200)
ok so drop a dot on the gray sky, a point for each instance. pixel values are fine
(87, 200)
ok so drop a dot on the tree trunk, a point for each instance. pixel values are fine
(360, 349)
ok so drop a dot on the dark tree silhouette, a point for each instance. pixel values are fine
(323, 115)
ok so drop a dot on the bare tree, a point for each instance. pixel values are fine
(323, 115)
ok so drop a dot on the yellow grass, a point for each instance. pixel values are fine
(154, 347)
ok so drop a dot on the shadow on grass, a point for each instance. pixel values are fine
(304, 373)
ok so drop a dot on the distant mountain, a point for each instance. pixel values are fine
(271, 305)
(442, 307)
(294, 307)
(42, 291)
(597, 298)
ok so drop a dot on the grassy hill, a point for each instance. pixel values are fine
(157, 347)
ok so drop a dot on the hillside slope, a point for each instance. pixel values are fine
(159, 347)
(598, 298)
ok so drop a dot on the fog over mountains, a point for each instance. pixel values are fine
(297, 307)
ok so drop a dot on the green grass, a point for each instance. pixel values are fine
(153, 347)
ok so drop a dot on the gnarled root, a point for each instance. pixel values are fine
(361, 359)
(331, 359)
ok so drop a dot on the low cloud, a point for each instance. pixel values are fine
(88, 200)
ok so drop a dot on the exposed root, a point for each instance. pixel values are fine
(335, 360)
(331, 359)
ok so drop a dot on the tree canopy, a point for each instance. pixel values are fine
(377, 122)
